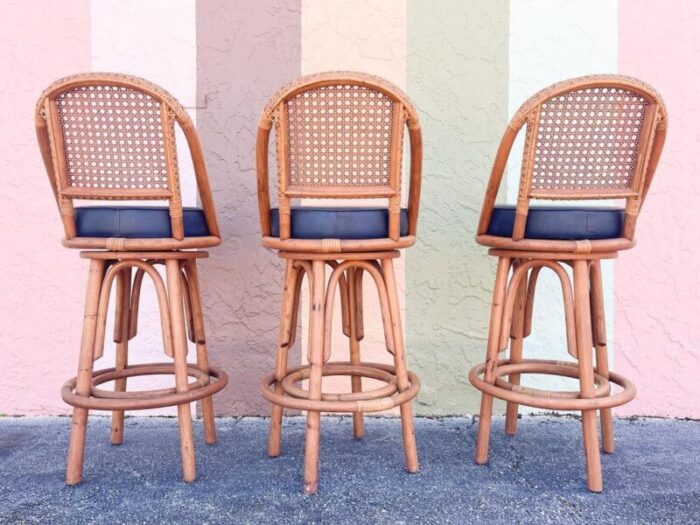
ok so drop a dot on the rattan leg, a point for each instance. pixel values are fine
(402, 381)
(601, 351)
(135, 298)
(584, 345)
(495, 322)
(76, 445)
(190, 267)
(316, 334)
(516, 352)
(354, 279)
(187, 304)
(121, 338)
(287, 315)
(274, 449)
(177, 319)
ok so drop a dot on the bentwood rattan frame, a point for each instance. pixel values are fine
(110, 136)
(595, 137)
(339, 136)
(106, 136)
(364, 177)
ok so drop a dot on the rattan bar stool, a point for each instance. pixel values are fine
(339, 136)
(112, 137)
(596, 137)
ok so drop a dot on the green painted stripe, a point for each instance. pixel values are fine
(458, 78)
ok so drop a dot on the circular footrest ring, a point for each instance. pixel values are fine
(100, 399)
(338, 369)
(561, 369)
(386, 397)
(546, 399)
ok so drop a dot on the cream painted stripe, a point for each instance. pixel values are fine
(155, 40)
(368, 36)
(551, 40)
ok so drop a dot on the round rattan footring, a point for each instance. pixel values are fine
(547, 399)
(204, 385)
(382, 398)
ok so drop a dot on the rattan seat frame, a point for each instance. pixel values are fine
(592, 138)
(339, 135)
(109, 136)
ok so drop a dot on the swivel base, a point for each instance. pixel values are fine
(281, 388)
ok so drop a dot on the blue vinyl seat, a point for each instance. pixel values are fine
(338, 223)
(573, 223)
(136, 222)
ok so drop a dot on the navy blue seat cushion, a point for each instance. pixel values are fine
(338, 223)
(563, 223)
(136, 222)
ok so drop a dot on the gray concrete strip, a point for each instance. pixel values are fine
(534, 477)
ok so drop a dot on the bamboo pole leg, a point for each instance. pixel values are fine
(184, 414)
(274, 437)
(76, 444)
(121, 338)
(316, 335)
(402, 382)
(601, 351)
(495, 322)
(196, 312)
(584, 345)
(516, 352)
(354, 279)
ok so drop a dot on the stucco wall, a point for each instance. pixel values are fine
(246, 51)
(657, 299)
(42, 284)
(458, 79)
(467, 65)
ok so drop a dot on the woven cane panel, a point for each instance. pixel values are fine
(339, 135)
(588, 140)
(112, 138)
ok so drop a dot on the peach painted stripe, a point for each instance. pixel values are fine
(368, 36)
(657, 300)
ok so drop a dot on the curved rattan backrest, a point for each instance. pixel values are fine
(594, 137)
(339, 135)
(111, 136)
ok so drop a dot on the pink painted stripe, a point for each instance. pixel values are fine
(657, 301)
(42, 283)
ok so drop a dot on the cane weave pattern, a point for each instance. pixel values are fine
(113, 138)
(588, 140)
(339, 135)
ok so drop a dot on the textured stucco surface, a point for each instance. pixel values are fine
(467, 65)
(458, 79)
(42, 283)
(245, 52)
(656, 294)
